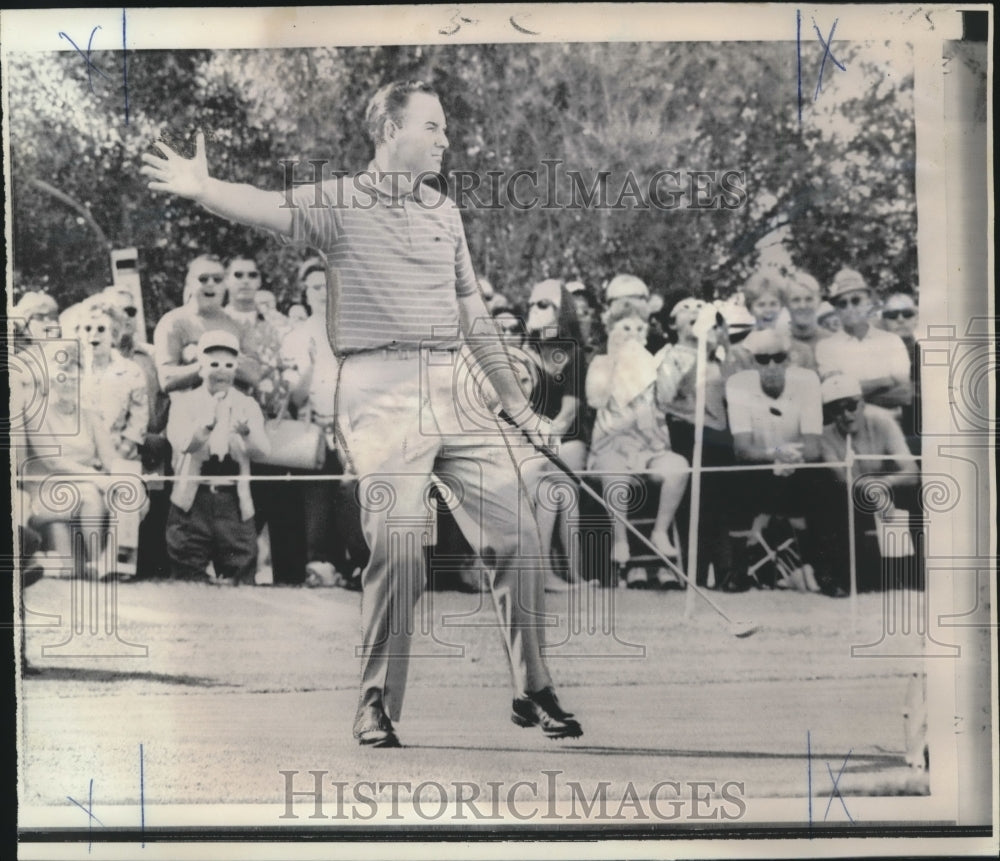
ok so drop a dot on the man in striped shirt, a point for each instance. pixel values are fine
(403, 301)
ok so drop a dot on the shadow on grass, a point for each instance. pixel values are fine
(572, 747)
(71, 674)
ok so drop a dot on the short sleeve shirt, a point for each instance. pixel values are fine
(796, 412)
(399, 261)
(878, 433)
(877, 354)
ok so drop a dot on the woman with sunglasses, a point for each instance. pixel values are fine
(111, 385)
(115, 389)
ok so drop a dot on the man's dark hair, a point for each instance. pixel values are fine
(389, 103)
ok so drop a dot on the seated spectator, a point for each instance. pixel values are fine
(766, 296)
(676, 390)
(875, 358)
(776, 418)
(335, 548)
(34, 321)
(175, 339)
(37, 316)
(900, 317)
(115, 389)
(630, 432)
(214, 431)
(67, 440)
(554, 341)
(803, 301)
(870, 430)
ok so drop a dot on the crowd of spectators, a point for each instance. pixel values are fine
(772, 394)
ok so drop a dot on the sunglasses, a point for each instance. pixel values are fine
(543, 304)
(204, 279)
(905, 313)
(215, 363)
(99, 329)
(511, 330)
(844, 301)
(845, 405)
(246, 275)
(766, 358)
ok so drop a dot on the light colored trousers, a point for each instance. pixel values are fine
(398, 415)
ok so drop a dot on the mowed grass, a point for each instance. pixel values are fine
(236, 684)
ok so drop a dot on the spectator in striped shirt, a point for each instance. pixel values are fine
(404, 301)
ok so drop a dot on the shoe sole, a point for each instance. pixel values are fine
(566, 732)
(387, 741)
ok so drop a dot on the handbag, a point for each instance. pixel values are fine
(294, 444)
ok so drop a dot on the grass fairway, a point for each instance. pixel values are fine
(237, 685)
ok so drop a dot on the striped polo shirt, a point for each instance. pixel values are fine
(397, 262)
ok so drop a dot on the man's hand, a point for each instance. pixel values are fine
(127, 449)
(185, 177)
(536, 428)
(789, 452)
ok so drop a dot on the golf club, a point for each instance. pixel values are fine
(739, 629)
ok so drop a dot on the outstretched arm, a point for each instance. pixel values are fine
(188, 177)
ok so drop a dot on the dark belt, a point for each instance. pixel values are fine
(216, 489)
(399, 352)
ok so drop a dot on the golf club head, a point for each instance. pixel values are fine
(743, 629)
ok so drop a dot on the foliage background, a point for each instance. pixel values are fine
(834, 189)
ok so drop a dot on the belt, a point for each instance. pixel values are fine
(390, 353)
(219, 488)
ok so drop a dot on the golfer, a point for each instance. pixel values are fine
(403, 299)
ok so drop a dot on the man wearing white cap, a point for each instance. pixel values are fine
(875, 358)
(214, 431)
(625, 287)
(871, 430)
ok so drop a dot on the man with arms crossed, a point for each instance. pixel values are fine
(403, 293)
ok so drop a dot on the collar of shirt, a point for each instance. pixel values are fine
(392, 185)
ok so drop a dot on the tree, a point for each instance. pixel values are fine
(835, 189)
